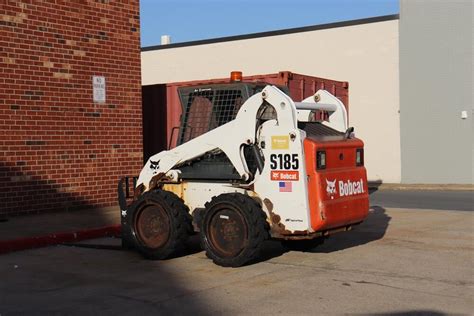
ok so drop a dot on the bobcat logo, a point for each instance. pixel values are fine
(331, 188)
(154, 164)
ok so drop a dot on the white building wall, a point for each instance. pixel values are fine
(365, 55)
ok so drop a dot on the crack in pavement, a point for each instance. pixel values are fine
(382, 274)
(344, 282)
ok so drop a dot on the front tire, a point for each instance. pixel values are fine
(160, 224)
(233, 229)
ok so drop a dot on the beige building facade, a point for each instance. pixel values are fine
(363, 52)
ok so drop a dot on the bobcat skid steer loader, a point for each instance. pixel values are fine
(250, 164)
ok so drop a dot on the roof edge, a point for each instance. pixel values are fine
(376, 19)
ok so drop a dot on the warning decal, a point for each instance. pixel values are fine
(284, 175)
(280, 142)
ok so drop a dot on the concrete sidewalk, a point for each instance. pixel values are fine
(374, 185)
(38, 230)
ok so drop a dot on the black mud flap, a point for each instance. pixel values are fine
(125, 192)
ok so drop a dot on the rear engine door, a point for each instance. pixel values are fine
(337, 182)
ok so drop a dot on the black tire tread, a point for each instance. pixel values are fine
(258, 229)
(180, 219)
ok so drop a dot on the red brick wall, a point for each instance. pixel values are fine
(58, 149)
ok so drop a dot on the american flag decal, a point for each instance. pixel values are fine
(285, 186)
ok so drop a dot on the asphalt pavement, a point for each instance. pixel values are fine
(398, 262)
(435, 200)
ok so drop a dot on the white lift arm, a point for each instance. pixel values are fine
(229, 138)
(326, 102)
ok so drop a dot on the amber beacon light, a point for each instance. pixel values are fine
(236, 76)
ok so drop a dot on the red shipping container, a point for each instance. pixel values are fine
(160, 118)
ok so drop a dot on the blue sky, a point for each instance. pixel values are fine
(188, 20)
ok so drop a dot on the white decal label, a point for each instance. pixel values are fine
(346, 188)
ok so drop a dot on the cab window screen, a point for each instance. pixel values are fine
(208, 109)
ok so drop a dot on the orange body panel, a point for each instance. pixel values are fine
(338, 195)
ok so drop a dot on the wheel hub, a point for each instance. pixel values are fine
(153, 226)
(228, 232)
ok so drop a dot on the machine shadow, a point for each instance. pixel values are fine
(411, 313)
(193, 245)
(372, 229)
(49, 207)
(270, 249)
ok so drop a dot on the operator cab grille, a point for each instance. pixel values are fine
(207, 109)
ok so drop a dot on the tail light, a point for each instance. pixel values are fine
(320, 159)
(359, 157)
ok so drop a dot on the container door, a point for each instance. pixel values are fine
(154, 120)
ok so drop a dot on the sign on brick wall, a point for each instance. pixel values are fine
(98, 86)
(56, 131)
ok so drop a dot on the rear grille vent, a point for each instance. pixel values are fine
(316, 129)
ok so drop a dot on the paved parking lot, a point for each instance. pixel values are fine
(424, 199)
(399, 261)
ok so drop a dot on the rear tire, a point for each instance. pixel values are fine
(233, 229)
(160, 224)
